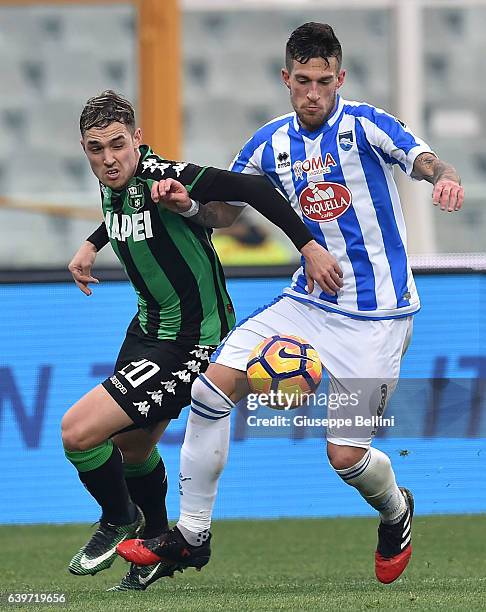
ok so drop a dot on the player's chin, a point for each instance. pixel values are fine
(116, 183)
(312, 121)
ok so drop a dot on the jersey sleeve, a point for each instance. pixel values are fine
(248, 160)
(99, 238)
(222, 185)
(394, 139)
(156, 168)
(195, 179)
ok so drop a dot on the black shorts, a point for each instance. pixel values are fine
(153, 378)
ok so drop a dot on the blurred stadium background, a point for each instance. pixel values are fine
(422, 60)
(214, 66)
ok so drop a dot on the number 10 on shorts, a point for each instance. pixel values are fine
(138, 372)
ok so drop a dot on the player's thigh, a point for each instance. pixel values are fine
(282, 316)
(136, 445)
(92, 420)
(356, 348)
(363, 376)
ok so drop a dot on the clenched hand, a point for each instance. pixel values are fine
(173, 195)
(321, 268)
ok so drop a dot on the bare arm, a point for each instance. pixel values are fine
(448, 191)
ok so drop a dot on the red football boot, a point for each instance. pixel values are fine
(170, 547)
(394, 544)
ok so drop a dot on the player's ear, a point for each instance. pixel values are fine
(286, 77)
(340, 78)
(137, 137)
(81, 142)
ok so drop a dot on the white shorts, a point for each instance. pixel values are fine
(361, 357)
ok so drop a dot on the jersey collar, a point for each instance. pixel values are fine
(145, 151)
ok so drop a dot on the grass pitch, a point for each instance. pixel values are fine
(265, 565)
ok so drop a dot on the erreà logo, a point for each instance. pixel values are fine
(324, 202)
(283, 160)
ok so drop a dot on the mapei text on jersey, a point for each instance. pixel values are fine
(121, 226)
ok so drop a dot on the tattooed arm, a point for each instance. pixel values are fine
(448, 192)
(213, 214)
(217, 214)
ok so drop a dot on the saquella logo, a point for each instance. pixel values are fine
(325, 201)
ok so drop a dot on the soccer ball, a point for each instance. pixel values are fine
(285, 368)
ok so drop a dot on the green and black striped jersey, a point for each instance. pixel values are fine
(169, 260)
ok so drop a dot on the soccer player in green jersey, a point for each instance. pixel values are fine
(184, 311)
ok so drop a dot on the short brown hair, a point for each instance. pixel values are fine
(312, 40)
(104, 109)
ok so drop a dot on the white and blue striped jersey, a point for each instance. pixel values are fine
(339, 180)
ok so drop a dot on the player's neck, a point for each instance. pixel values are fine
(138, 154)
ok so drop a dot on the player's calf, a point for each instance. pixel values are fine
(374, 478)
(203, 455)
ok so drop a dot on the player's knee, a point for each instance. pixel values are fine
(73, 440)
(231, 383)
(201, 392)
(67, 433)
(343, 457)
(207, 400)
(197, 390)
(74, 437)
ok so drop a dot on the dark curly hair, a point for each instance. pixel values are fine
(104, 109)
(312, 40)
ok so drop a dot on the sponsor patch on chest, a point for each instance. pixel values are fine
(324, 201)
(137, 226)
(314, 166)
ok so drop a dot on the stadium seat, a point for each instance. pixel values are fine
(59, 117)
(34, 173)
(12, 73)
(78, 74)
(99, 27)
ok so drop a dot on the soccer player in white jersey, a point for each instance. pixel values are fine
(333, 159)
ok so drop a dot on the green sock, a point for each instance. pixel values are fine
(100, 469)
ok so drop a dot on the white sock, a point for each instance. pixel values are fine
(374, 478)
(203, 457)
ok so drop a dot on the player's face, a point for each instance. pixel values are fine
(112, 153)
(313, 88)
